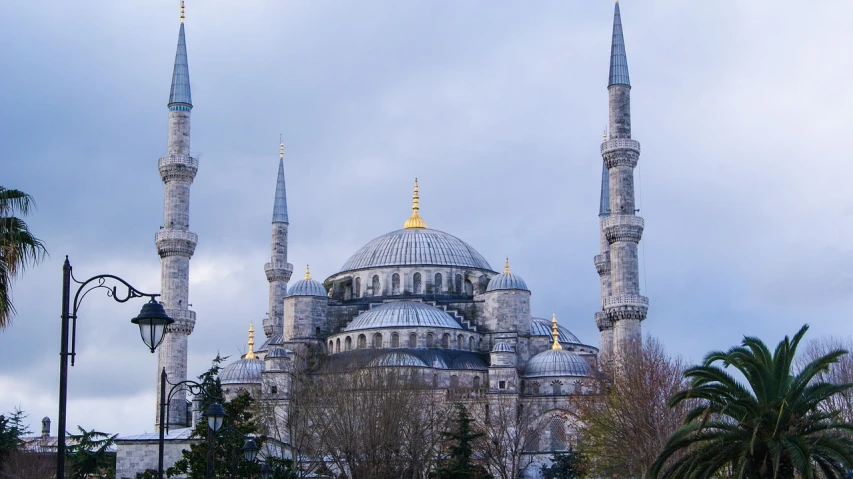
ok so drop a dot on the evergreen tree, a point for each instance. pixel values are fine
(12, 428)
(565, 465)
(89, 455)
(459, 464)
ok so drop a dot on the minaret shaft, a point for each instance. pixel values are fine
(278, 270)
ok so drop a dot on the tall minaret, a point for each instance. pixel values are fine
(602, 266)
(625, 307)
(278, 270)
(175, 243)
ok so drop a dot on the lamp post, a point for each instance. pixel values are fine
(215, 416)
(152, 322)
(189, 385)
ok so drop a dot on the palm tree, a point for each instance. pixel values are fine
(18, 247)
(774, 426)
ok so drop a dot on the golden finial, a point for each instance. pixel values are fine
(251, 353)
(604, 135)
(555, 332)
(280, 147)
(415, 221)
(307, 273)
(182, 11)
(506, 266)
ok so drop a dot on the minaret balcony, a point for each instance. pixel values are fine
(625, 306)
(175, 243)
(623, 228)
(602, 320)
(620, 152)
(184, 321)
(602, 263)
(620, 144)
(276, 271)
(178, 167)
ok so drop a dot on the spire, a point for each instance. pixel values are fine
(555, 333)
(506, 267)
(179, 96)
(279, 210)
(307, 273)
(251, 353)
(415, 221)
(618, 58)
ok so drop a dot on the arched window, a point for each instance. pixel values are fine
(358, 287)
(416, 283)
(338, 345)
(430, 342)
(436, 285)
(534, 388)
(376, 290)
(480, 345)
(454, 381)
(435, 380)
(377, 341)
(556, 387)
(460, 342)
(558, 435)
(470, 343)
(362, 341)
(457, 287)
(578, 387)
(317, 331)
(476, 382)
(331, 346)
(445, 341)
(395, 340)
(469, 288)
(348, 342)
(413, 340)
(482, 284)
(395, 284)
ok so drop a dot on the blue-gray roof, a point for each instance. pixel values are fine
(180, 94)
(604, 208)
(307, 287)
(556, 362)
(542, 327)
(618, 58)
(244, 371)
(502, 347)
(468, 361)
(506, 281)
(279, 209)
(403, 314)
(397, 359)
(415, 247)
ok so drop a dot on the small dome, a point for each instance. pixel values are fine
(244, 371)
(277, 352)
(307, 287)
(397, 359)
(506, 280)
(542, 327)
(502, 347)
(556, 362)
(403, 314)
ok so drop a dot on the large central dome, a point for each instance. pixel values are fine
(416, 247)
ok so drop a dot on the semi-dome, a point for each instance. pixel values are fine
(542, 327)
(307, 287)
(468, 361)
(397, 359)
(502, 347)
(403, 314)
(244, 371)
(416, 247)
(556, 362)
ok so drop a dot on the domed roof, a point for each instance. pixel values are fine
(244, 371)
(276, 352)
(398, 359)
(307, 287)
(468, 361)
(556, 362)
(506, 280)
(403, 314)
(502, 347)
(416, 247)
(542, 327)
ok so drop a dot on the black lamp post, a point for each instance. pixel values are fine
(215, 416)
(152, 322)
(266, 471)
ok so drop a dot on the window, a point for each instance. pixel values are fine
(435, 380)
(457, 288)
(357, 287)
(469, 288)
(348, 343)
(482, 284)
(470, 343)
(362, 341)
(274, 389)
(460, 342)
(558, 435)
(476, 382)
(331, 346)
(556, 387)
(445, 341)
(534, 388)
(395, 340)
(317, 331)
(454, 381)
(376, 290)
(502, 384)
(437, 283)
(578, 387)
(413, 340)
(395, 284)
(416, 283)
(338, 345)
(377, 341)
(430, 340)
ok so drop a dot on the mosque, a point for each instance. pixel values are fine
(415, 299)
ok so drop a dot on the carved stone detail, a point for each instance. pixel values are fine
(184, 321)
(178, 168)
(278, 271)
(623, 228)
(175, 243)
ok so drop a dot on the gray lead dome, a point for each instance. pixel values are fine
(506, 281)
(307, 287)
(556, 362)
(416, 247)
(403, 314)
(244, 371)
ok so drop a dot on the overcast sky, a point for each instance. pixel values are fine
(742, 108)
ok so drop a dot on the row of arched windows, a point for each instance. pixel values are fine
(445, 341)
(456, 285)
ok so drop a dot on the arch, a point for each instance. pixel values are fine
(338, 345)
(557, 433)
(395, 340)
(377, 341)
(476, 382)
(395, 283)
(413, 340)
(454, 381)
(469, 288)
(348, 343)
(578, 387)
(470, 343)
(480, 345)
(457, 286)
(445, 341)
(376, 290)
(437, 283)
(534, 387)
(460, 342)
(430, 340)
(435, 380)
(482, 284)
(416, 283)
(331, 346)
(317, 331)
(556, 387)
(358, 287)
(362, 341)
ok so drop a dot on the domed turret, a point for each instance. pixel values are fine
(307, 286)
(507, 303)
(305, 308)
(245, 373)
(556, 362)
(506, 280)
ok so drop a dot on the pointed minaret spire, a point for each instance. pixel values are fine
(179, 96)
(278, 270)
(555, 332)
(251, 353)
(618, 58)
(279, 210)
(415, 221)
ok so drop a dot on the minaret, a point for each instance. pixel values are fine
(175, 243)
(625, 307)
(602, 266)
(278, 270)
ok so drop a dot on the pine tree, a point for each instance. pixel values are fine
(565, 465)
(89, 455)
(459, 464)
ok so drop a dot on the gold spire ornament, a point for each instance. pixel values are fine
(182, 11)
(555, 332)
(280, 147)
(307, 273)
(506, 266)
(251, 353)
(415, 221)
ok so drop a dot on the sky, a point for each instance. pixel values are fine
(497, 107)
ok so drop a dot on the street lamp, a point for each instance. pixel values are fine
(266, 471)
(215, 415)
(152, 322)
